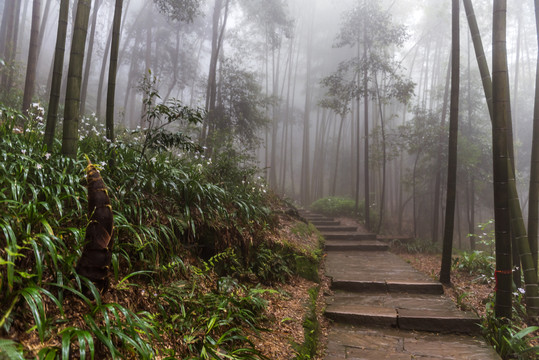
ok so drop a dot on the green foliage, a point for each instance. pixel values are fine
(485, 237)
(335, 206)
(240, 112)
(208, 323)
(509, 340)
(416, 246)
(184, 10)
(273, 265)
(311, 329)
(475, 262)
(162, 203)
(9, 350)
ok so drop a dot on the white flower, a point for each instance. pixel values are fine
(23, 151)
(39, 166)
(47, 156)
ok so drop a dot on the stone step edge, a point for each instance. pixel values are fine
(354, 246)
(388, 286)
(347, 236)
(337, 229)
(405, 319)
(318, 223)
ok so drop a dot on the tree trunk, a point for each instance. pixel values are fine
(8, 47)
(517, 223)
(74, 77)
(384, 160)
(366, 151)
(305, 156)
(106, 57)
(445, 272)
(438, 180)
(217, 41)
(337, 153)
(500, 87)
(88, 64)
(54, 100)
(43, 27)
(31, 66)
(533, 204)
(113, 65)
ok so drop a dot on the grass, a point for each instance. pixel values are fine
(187, 229)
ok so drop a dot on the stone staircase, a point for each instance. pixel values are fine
(375, 289)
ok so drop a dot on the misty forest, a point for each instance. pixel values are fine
(160, 161)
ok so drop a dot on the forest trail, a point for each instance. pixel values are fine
(382, 308)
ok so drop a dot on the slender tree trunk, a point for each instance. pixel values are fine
(8, 47)
(74, 78)
(384, 160)
(88, 65)
(6, 17)
(305, 156)
(533, 204)
(43, 27)
(517, 223)
(445, 272)
(31, 67)
(54, 100)
(337, 153)
(218, 31)
(111, 89)
(470, 194)
(104, 63)
(366, 151)
(500, 86)
(438, 180)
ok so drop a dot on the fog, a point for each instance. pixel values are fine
(289, 90)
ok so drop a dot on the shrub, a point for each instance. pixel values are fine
(336, 206)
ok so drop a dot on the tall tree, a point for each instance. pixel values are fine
(74, 78)
(31, 65)
(517, 222)
(58, 68)
(305, 187)
(533, 205)
(219, 20)
(371, 30)
(445, 273)
(87, 66)
(500, 92)
(9, 41)
(113, 65)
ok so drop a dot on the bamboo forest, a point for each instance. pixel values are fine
(269, 179)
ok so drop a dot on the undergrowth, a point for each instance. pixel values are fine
(311, 329)
(187, 228)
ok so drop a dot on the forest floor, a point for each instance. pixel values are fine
(468, 291)
(283, 331)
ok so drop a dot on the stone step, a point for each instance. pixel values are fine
(347, 236)
(318, 223)
(311, 217)
(339, 228)
(404, 311)
(350, 245)
(409, 287)
(369, 343)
